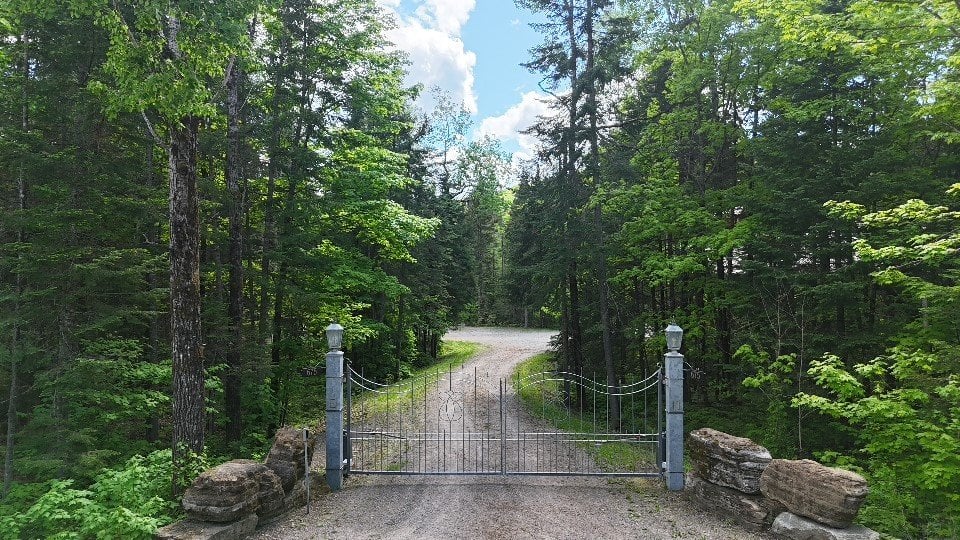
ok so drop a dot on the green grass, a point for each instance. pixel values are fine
(543, 401)
(453, 354)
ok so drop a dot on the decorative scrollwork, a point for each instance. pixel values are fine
(451, 405)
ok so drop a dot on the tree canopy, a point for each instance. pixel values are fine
(192, 191)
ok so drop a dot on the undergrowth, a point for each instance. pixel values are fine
(128, 502)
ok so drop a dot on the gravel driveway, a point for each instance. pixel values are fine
(502, 507)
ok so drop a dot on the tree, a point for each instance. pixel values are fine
(484, 168)
(580, 57)
(83, 258)
(904, 404)
(168, 61)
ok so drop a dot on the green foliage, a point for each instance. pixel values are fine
(745, 121)
(776, 379)
(905, 404)
(331, 199)
(128, 502)
(149, 72)
(905, 407)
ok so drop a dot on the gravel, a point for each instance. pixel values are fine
(502, 506)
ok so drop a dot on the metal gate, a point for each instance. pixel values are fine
(464, 422)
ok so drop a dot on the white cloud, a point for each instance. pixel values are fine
(509, 125)
(431, 38)
(446, 15)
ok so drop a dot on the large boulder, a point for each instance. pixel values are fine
(726, 460)
(807, 488)
(297, 498)
(794, 527)
(224, 493)
(286, 456)
(753, 512)
(270, 493)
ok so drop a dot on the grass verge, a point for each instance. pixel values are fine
(453, 354)
(544, 400)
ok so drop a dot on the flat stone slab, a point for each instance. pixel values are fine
(727, 460)
(825, 494)
(202, 530)
(795, 527)
(752, 512)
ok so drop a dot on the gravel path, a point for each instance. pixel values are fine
(502, 507)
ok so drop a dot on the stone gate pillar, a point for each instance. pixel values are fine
(673, 364)
(335, 419)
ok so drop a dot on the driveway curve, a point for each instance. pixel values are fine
(502, 507)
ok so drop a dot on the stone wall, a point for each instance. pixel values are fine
(230, 500)
(798, 500)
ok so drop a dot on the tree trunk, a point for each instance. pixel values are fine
(573, 183)
(608, 362)
(576, 331)
(566, 351)
(153, 282)
(269, 239)
(235, 287)
(277, 381)
(276, 371)
(15, 348)
(188, 377)
(594, 172)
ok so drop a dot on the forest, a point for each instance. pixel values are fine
(191, 191)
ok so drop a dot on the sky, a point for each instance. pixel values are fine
(473, 49)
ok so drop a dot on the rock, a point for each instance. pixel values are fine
(753, 512)
(726, 460)
(807, 488)
(287, 472)
(297, 498)
(286, 456)
(224, 493)
(794, 527)
(199, 530)
(270, 495)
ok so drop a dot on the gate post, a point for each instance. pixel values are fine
(673, 364)
(334, 400)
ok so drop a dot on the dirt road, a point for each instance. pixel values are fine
(502, 507)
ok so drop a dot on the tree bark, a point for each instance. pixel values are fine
(153, 282)
(573, 182)
(269, 239)
(594, 172)
(232, 380)
(276, 372)
(188, 378)
(15, 347)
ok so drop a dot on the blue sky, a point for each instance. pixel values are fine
(473, 50)
(500, 36)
